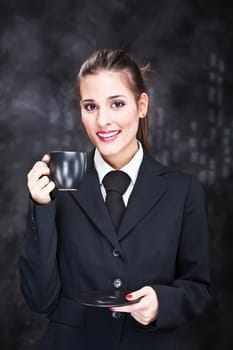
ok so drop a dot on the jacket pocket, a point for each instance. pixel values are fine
(68, 312)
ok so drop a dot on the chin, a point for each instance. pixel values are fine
(108, 150)
(109, 154)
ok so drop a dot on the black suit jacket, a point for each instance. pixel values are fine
(70, 246)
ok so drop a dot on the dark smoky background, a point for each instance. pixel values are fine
(189, 46)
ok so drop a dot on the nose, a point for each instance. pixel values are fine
(104, 117)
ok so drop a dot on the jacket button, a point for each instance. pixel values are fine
(115, 252)
(116, 314)
(117, 283)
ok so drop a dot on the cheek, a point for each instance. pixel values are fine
(129, 118)
(132, 123)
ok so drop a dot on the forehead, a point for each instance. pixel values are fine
(106, 82)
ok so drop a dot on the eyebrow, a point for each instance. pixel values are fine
(109, 98)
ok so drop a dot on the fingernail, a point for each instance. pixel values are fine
(111, 309)
(129, 296)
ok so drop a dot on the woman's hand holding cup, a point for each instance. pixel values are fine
(39, 184)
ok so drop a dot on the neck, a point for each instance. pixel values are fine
(119, 161)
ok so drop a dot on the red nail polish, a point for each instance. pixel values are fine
(129, 296)
(110, 308)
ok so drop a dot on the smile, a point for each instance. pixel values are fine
(108, 136)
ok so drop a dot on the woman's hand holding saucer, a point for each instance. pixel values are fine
(146, 310)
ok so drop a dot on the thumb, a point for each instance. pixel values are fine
(137, 294)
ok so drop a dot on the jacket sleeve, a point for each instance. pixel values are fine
(190, 292)
(39, 276)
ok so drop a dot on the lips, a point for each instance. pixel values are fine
(108, 136)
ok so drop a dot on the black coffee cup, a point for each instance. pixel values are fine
(67, 169)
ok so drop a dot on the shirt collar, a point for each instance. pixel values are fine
(131, 168)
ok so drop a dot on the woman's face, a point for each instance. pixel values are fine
(110, 115)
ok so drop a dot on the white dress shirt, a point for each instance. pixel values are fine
(131, 168)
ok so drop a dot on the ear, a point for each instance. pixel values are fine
(143, 103)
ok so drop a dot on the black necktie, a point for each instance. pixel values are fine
(115, 183)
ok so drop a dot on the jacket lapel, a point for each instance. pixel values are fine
(89, 197)
(149, 188)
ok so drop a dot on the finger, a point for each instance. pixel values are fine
(145, 295)
(49, 187)
(136, 295)
(46, 158)
(38, 166)
(139, 293)
(39, 169)
(125, 309)
(43, 182)
(129, 308)
(42, 195)
(149, 297)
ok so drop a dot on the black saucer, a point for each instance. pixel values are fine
(105, 298)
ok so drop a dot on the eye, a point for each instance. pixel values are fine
(89, 107)
(117, 104)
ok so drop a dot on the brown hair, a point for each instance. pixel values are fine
(117, 60)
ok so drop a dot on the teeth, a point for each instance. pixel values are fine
(110, 134)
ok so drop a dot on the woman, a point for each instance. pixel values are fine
(159, 252)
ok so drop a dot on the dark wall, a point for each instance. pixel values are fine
(188, 44)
